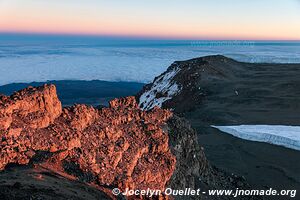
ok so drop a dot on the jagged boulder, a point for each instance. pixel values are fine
(120, 146)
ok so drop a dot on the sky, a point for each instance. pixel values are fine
(172, 19)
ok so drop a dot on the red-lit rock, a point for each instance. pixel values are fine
(120, 146)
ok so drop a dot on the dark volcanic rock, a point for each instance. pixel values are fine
(193, 169)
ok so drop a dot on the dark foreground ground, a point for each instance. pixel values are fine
(26, 183)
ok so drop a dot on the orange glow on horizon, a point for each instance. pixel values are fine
(123, 30)
(64, 20)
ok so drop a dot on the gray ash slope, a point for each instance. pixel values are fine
(216, 90)
(220, 90)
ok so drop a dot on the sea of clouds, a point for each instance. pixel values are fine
(42, 62)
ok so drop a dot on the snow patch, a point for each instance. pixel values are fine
(163, 89)
(288, 136)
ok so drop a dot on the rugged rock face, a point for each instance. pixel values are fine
(191, 161)
(193, 170)
(120, 146)
(32, 107)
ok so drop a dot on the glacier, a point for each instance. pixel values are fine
(287, 136)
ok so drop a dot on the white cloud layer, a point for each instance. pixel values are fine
(27, 63)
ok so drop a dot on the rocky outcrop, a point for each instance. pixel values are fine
(120, 146)
(32, 107)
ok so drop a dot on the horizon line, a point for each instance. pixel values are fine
(141, 37)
